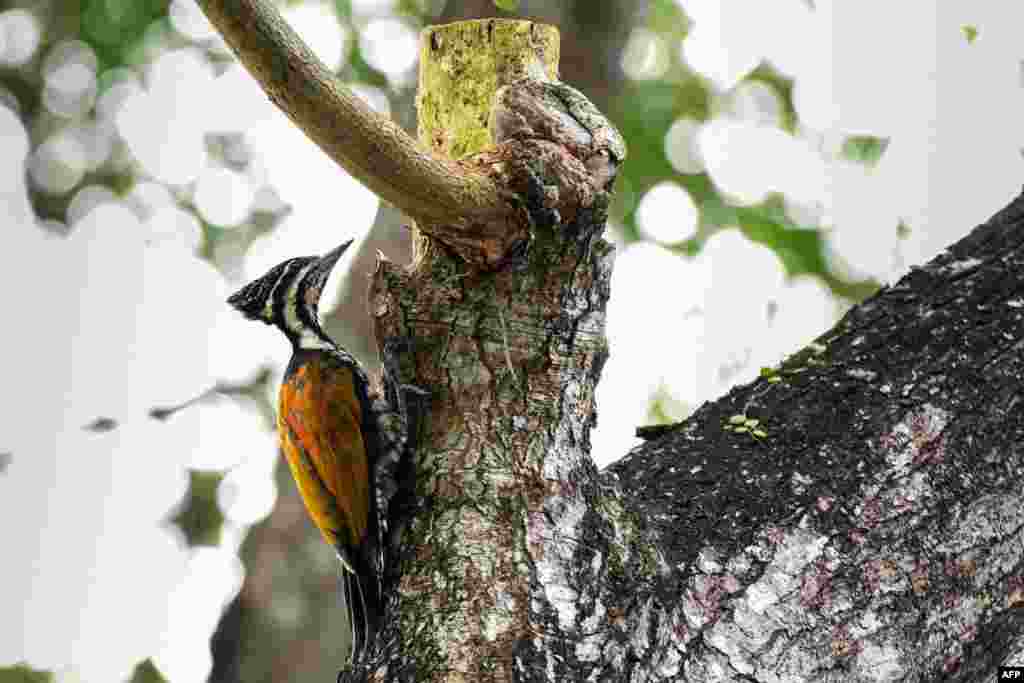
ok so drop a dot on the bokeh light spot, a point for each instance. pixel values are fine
(222, 196)
(389, 46)
(318, 25)
(667, 214)
(645, 56)
(58, 164)
(681, 148)
(19, 36)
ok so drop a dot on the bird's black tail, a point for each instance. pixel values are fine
(360, 591)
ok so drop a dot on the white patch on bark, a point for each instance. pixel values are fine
(880, 663)
(800, 482)
(710, 669)
(588, 650)
(917, 429)
(869, 623)
(987, 519)
(641, 626)
(782, 577)
(728, 639)
(553, 544)
(761, 596)
(861, 373)
(498, 621)
(960, 266)
(798, 549)
(707, 561)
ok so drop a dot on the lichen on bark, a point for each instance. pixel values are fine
(462, 65)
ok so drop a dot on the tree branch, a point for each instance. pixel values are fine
(875, 532)
(372, 148)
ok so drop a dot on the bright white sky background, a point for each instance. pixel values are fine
(134, 319)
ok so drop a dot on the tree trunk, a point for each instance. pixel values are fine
(510, 358)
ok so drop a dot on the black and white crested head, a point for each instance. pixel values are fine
(287, 297)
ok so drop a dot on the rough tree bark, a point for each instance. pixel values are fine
(875, 532)
(852, 516)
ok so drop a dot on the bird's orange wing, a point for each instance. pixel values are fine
(319, 419)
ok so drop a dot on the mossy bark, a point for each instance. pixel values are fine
(462, 65)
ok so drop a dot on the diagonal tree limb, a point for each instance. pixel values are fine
(372, 148)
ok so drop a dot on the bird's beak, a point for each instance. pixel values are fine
(322, 271)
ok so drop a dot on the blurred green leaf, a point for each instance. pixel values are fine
(667, 18)
(864, 149)
(507, 5)
(970, 33)
(417, 10)
(146, 672)
(343, 8)
(20, 673)
(198, 516)
(800, 250)
(112, 27)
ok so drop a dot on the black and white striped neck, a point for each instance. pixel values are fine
(295, 310)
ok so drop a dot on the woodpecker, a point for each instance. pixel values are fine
(342, 440)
